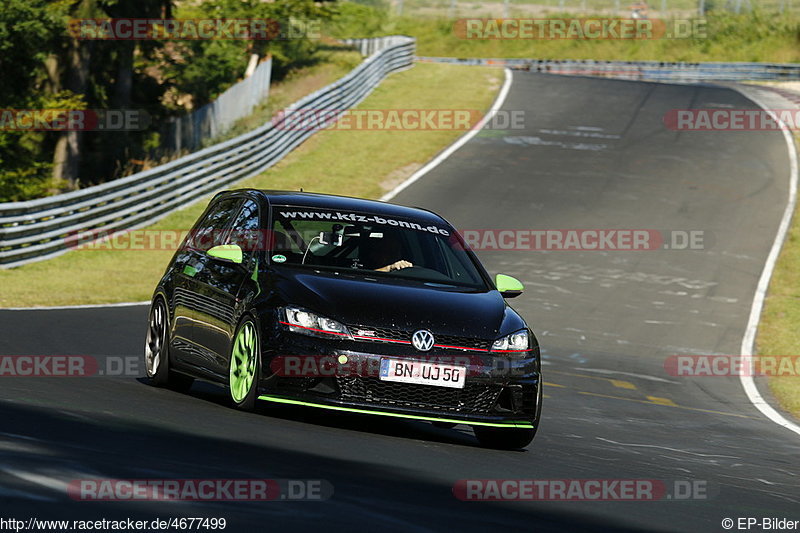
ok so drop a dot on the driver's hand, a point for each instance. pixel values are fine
(397, 265)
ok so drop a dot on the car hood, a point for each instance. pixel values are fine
(394, 303)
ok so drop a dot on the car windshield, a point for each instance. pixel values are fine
(363, 243)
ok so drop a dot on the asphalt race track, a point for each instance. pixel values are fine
(593, 154)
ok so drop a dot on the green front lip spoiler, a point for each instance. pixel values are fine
(510, 424)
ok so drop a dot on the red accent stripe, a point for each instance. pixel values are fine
(397, 341)
(380, 339)
(409, 342)
(314, 329)
(460, 348)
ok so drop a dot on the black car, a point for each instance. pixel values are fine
(345, 304)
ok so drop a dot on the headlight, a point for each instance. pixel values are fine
(516, 342)
(302, 321)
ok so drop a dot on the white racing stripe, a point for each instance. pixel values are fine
(433, 163)
(748, 342)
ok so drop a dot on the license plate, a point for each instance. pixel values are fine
(423, 373)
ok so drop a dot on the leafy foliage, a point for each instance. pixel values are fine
(28, 31)
(43, 66)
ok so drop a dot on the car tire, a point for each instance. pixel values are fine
(502, 438)
(244, 365)
(156, 351)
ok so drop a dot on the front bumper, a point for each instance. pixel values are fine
(370, 410)
(500, 390)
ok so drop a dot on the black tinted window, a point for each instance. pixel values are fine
(245, 230)
(372, 244)
(210, 230)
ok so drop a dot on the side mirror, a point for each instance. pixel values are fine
(228, 252)
(509, 287)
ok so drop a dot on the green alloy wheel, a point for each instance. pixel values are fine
(244, 366)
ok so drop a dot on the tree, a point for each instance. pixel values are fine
(29, 31)
(44, 66)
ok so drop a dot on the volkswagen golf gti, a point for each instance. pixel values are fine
(345, 304)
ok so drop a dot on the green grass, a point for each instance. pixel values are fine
(751, 37)
(328, 63)
(341, 162)
(522, 8)
(778, 332)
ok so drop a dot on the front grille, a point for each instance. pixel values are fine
(451, 340)
(383, 333)
(402, 335)
(473, 398)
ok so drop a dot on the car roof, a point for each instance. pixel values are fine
(331, 201)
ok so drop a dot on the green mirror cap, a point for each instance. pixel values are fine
(506, 283)
(229, 252)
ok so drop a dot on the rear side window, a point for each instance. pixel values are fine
(210, 230)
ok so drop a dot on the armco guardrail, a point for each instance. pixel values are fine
(39, 229)
(643, 70)
(367, 47)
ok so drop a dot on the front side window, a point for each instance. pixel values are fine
(364, 243)
(210, 230)
(245, 231)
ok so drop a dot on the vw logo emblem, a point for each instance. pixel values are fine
(422, 340)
